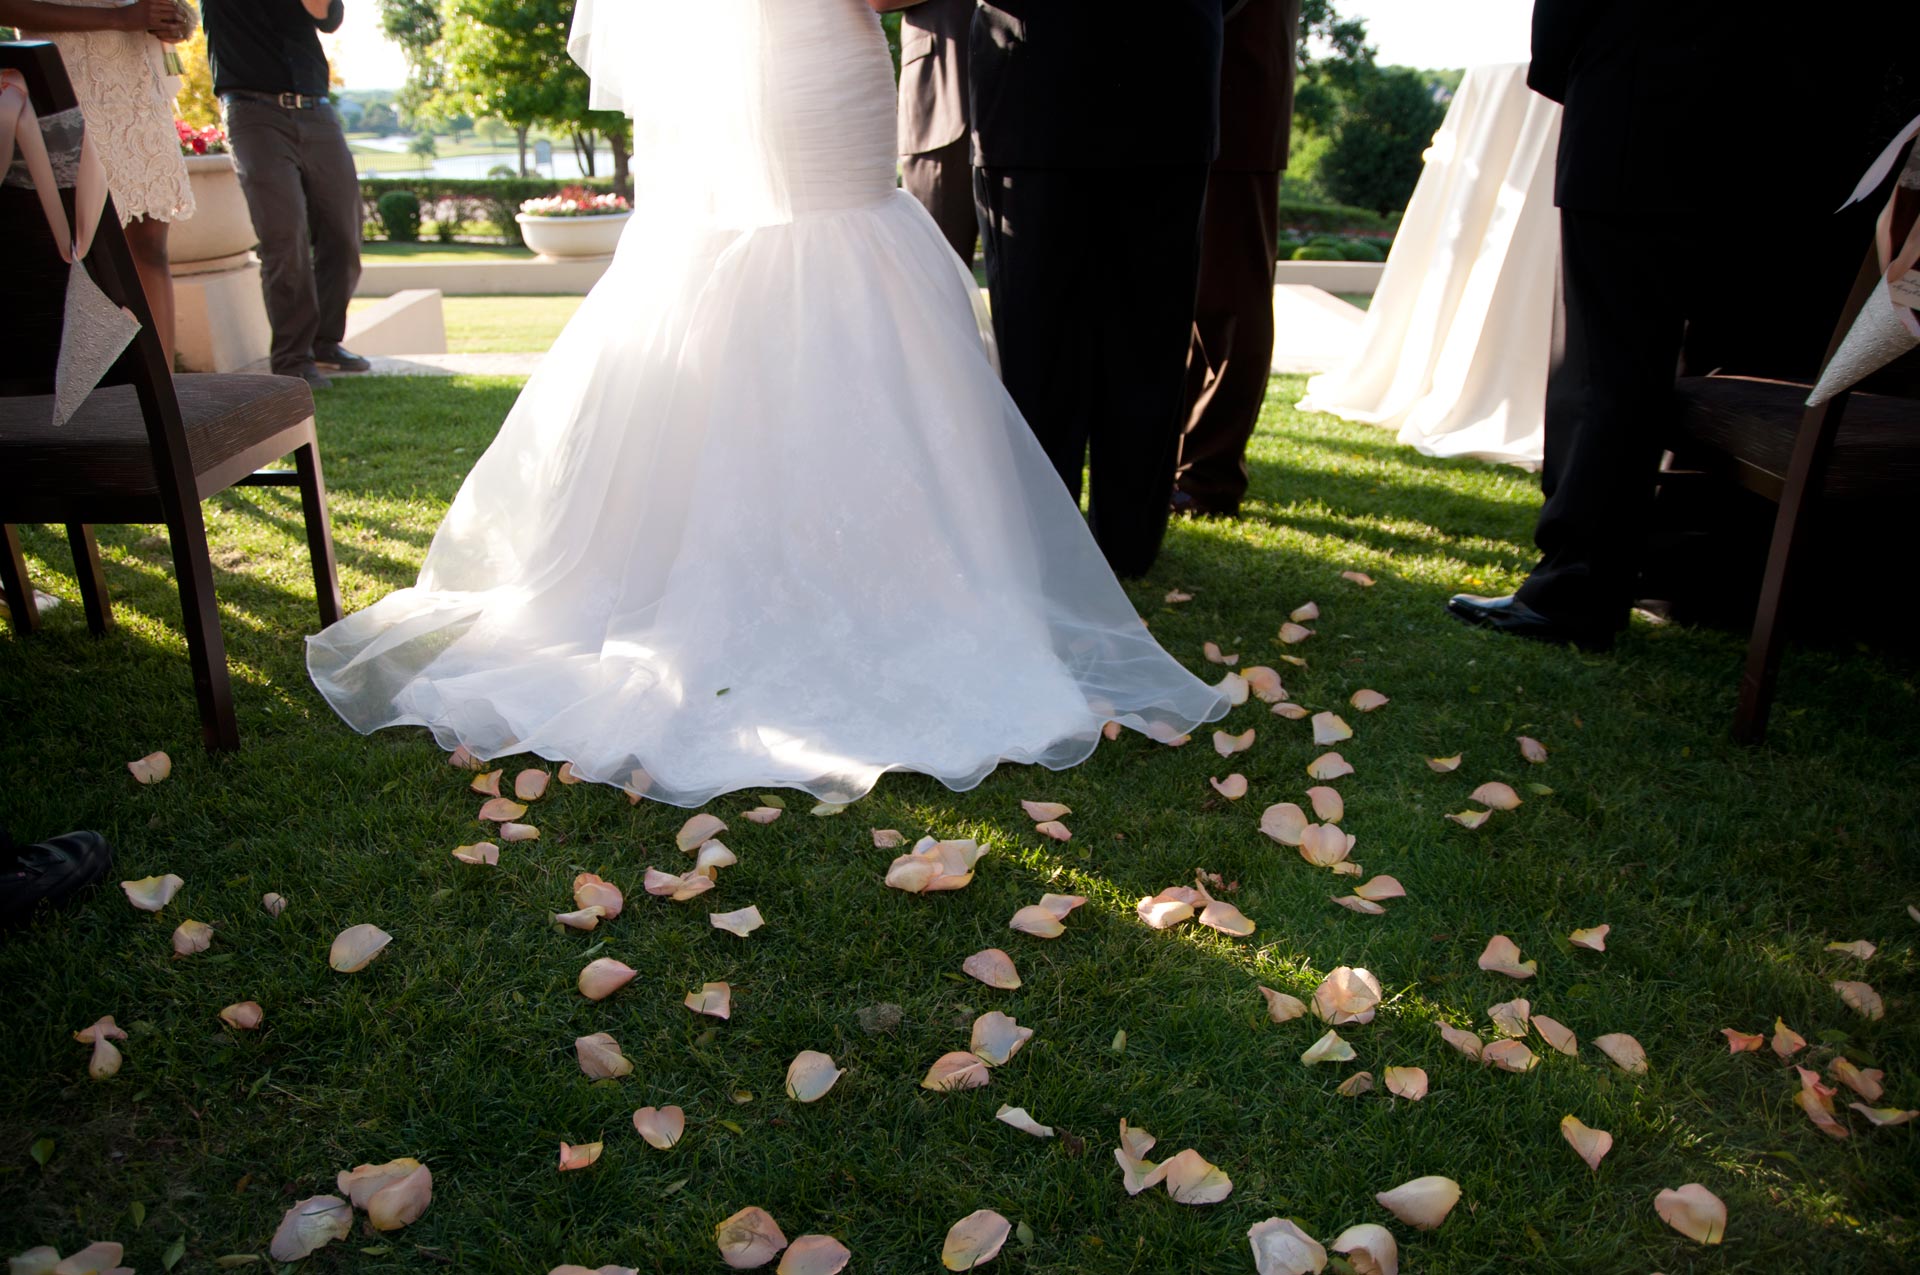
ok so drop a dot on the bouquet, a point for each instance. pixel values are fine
(211, 140)
(576, 201)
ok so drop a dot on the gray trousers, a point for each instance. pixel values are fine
(304, 198)
(942, 180)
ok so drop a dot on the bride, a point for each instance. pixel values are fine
(764, 516)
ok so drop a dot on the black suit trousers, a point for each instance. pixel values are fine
(1092, 275)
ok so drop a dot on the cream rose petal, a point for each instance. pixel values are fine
(677, 888)
(1509, 1055)
(1019, 1119)
(742, 922)
(600, 1057)
(1329, 1048)
(1328, 805)
(1214, 656)
(661, 1127)
(104, 1062)
(1282, 1008)
(1353, 1086)
(1464, 1041)
(1503, 957)
(243, 1015)
(462, 758)
(192, 936)
(1406, 1082)
(1739, 1042)
(1042, 811)
(1594, 939)
(1191, 1179)
(997, 1037)
(1323, 844)
(152, 768)
(273, 903)
(481, 854)
(762, 814)
(887, 839)
(102, 1257)
(1556, 1034)
(810, 1075)
(1038, 922)
(1445, 765)
(311, 1224)
(1625, 1052)
(1366, 701)
(992, 967)
(567, 776)
(1786, 1041)
(1590, 1145)
(1354, 903)
(1510, 1017)
(583, 1156)
(1859, 949)
(1285, 823)
(1061, 904)
(1233, 787)
(1292, 712)
(589, 890)
(1422, 1203)
(1264, 683)
(402, 1202)
(715, 1000)
(1330, 728)
(1470, 819)
(1867, 1082)
(1226, 918)
(501, 810)
(1496, 796)
(1346, 995)
(749, 1238)
(531, 784)
(1369, 1249)
(603, 977)
(1694, 1211)
(1165, 910)
(1111, 731)
(1235, 688)
(1531, 749)
(956, 1070)
(814, 1255)
(1227, 745)
(1054, 829)
(1881, 1117)
(1360, 578)
(151, 894)
(1281, 1248)
(1176, 596)
(974, 1240)
(1328, 766)
(1379, 888)
(1861, 999)
(584, 919)
(355, 947)
(698, 830)
(1292, 634)
(519, 832)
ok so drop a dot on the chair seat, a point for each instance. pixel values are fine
(103, 451)
(1750, 424)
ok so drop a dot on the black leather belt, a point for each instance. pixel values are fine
(288, 101)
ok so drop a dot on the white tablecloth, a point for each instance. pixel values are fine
(1453, 354)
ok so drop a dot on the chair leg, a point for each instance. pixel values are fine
(1806, 475)
(22, 612)
(206, 647)
(93, 581)
(313, 505)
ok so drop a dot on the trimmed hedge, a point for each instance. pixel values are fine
(452, 201)
(1317, 252)
(1304, 219)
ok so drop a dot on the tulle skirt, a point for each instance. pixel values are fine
(765, 516)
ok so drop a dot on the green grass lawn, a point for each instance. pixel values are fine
(432, 250)
(1723, 871)
(498, 325)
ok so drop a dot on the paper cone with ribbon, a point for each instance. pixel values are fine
(1887, 326)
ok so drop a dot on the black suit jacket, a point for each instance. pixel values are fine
(1092, 84)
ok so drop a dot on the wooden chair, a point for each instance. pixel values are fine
(1858, 446)
(144, 447)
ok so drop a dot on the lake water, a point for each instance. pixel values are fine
(473, 167)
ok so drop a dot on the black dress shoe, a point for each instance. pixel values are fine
(49, 873)
(338, 358)
(1183, 505)
(1511, 616)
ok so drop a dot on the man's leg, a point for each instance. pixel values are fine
(1609, 402)
(266, 151)
(333, 210)
(1146, 271)
(1232, 352)
(943, 183)
(1034, 229)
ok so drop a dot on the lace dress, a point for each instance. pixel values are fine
(119, 79)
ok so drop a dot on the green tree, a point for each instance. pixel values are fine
(1387, 122)
(415, 26)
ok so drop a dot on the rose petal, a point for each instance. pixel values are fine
(487, 785)
(1281, 1248)
(1329, 1048)
(1503, 957)
(1625, 1052)
(1495, 796)
(1042, 811)
(519, 832)
(1422, 1203)
(1593, 939)
(247, 1015)
(810, 1075)
(355, 947)
(1556, 1034)
(103, 1028)
(1865, 1082)
(887, 839)
(997, 1038)
(1234, 687)
(603, 977)
(1381, 887)
(1859, 949)
(501, 810)
(273, 903)
(1369, 1249)
(1360, 578)
(994, 968)
(480, 854)
(1226, 918)
(661, 1127)
(462, 758)
(1176, 596)
(101, 1257)
(1281, 1007)
(150, 894)
(1861, 999)
(697, 830)
(1354, 903)
(152, 768)
(1328, 766)
(401, 1203)
(1509, 1055)
(1330, 728)
(1110, 731)
(1353, 1086)
(1590, 1145)
(531, 784)
(1191, 1179)
(713, 999)
(1445, 765)
(814, 1255)
(1233, 787)
(1510, 1017)
(1212, 651)
(1292, 712)
(956, 1070)
(1742, 1042)
(1464, 1041)
(600, 1057)
(1366, 701)
(567, 776)
(1694, 1211)
(104, 1062)
(1285, 823)
(1786, 1041)
(1038, 922)
(311, 1224)
(749, 1238)
(1055, 829)
(974, 1240)
(1061, 904)
(589, 890)
(742, 922)
(581, 1157)
(1883, 1116)
(665, 885)
(1019, 1119)
(1327, 804)
(192, 936)
(1227, 745)
(1293, 634)
(1406, 1082)
(762, 814)
(1304, 612)
(1264, 683)
(1323, 845)
(1531, 749)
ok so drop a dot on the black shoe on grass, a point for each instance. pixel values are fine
(49, 873)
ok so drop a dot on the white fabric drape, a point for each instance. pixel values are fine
(1453, 354)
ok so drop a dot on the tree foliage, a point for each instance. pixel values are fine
(1389, 117)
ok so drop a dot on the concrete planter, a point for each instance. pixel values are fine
(564, 237)
(219, 235)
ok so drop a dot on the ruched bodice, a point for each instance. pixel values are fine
(829, 104)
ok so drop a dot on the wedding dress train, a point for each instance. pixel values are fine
(764, 516)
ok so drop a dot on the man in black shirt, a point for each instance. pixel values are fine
(271, 77)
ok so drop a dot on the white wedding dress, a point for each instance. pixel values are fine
(764, 516)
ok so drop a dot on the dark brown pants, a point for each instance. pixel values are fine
(942, 181)
(1232, 350)
(305, 202)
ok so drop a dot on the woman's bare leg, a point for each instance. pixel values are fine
(147, 237)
